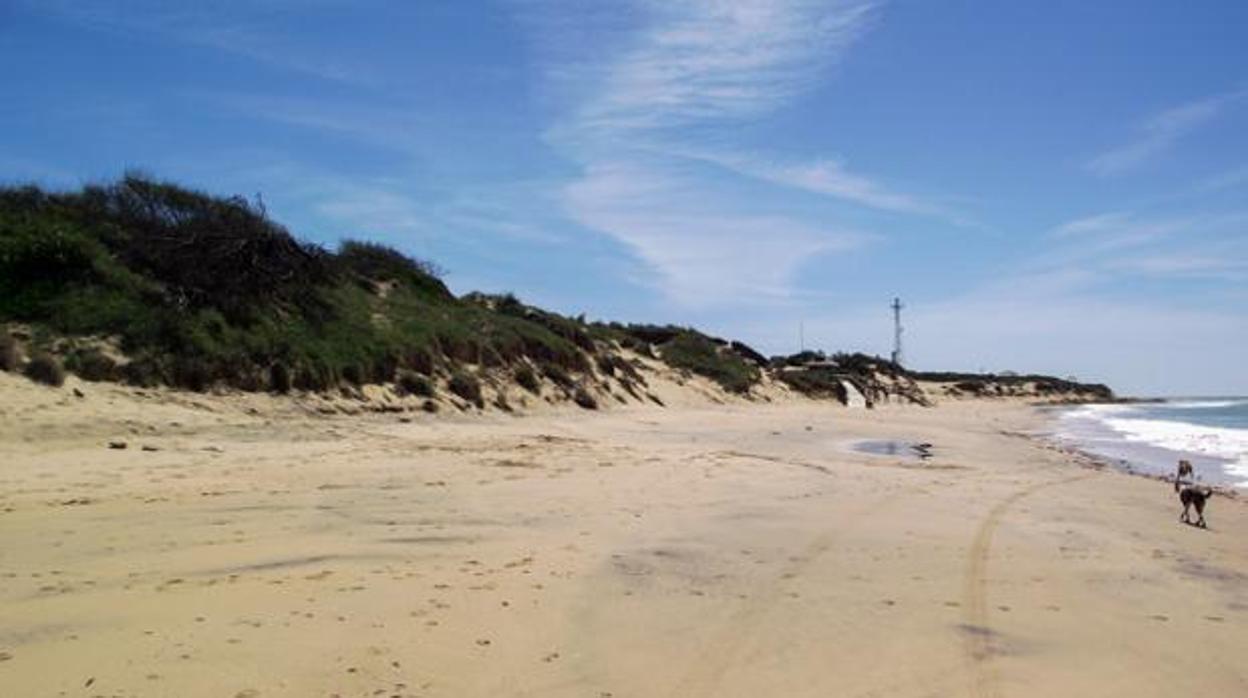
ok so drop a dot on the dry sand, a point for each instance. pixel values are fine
(722, 550)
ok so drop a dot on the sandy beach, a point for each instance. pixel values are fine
(251, 547)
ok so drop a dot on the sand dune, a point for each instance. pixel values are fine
(256, 548)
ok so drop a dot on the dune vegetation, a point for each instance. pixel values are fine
(150, 283)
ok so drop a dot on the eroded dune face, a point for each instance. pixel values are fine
(255, 549)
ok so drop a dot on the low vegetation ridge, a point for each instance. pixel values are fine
(150, 283)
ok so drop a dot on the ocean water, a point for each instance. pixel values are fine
(1151, 437)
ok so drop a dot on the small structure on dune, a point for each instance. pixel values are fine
(853, 397)
(851, 381)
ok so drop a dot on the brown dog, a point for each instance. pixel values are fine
(1193, 496)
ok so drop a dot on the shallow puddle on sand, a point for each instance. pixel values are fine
(890, 447)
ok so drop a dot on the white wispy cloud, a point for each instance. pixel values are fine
(1107, 233)
(827, 177)
(1135, 226)
(683, 68)
(715, 59)
(374, 209)
(1098, 223)
(381, 208)
(245, 30)
(1223, 180)
(1156, 134)
(1229, 263)
(392, 128)
(396, 209)
(1212, 245)
(500, 224)
(704, 250)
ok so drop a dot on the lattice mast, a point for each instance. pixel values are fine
(897, 306)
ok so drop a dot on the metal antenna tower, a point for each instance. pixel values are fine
(897, 306)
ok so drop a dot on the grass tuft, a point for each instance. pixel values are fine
(91, 365)
(582, 398)
(526, 378)
(466, 387)
(10, 356)
(412, 383)
(44, 368)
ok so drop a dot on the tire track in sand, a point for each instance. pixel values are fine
(729, 646)
(985, 683)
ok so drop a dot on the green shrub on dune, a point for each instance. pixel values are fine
(45, 369)
(9, 356)
(279, 378)
(583, 399)
(412, 383)
(377, 263)
(91, 365)
(703, 356)
(205, 290)
(526, 378)
(558, 375)
(466, 387)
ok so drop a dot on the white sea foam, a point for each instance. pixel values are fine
(1204, 404)
(1226, 444)
(1150, 426)
(1239, 469)
(1099, 412)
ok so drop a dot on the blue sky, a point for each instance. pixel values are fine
(1054, 187)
